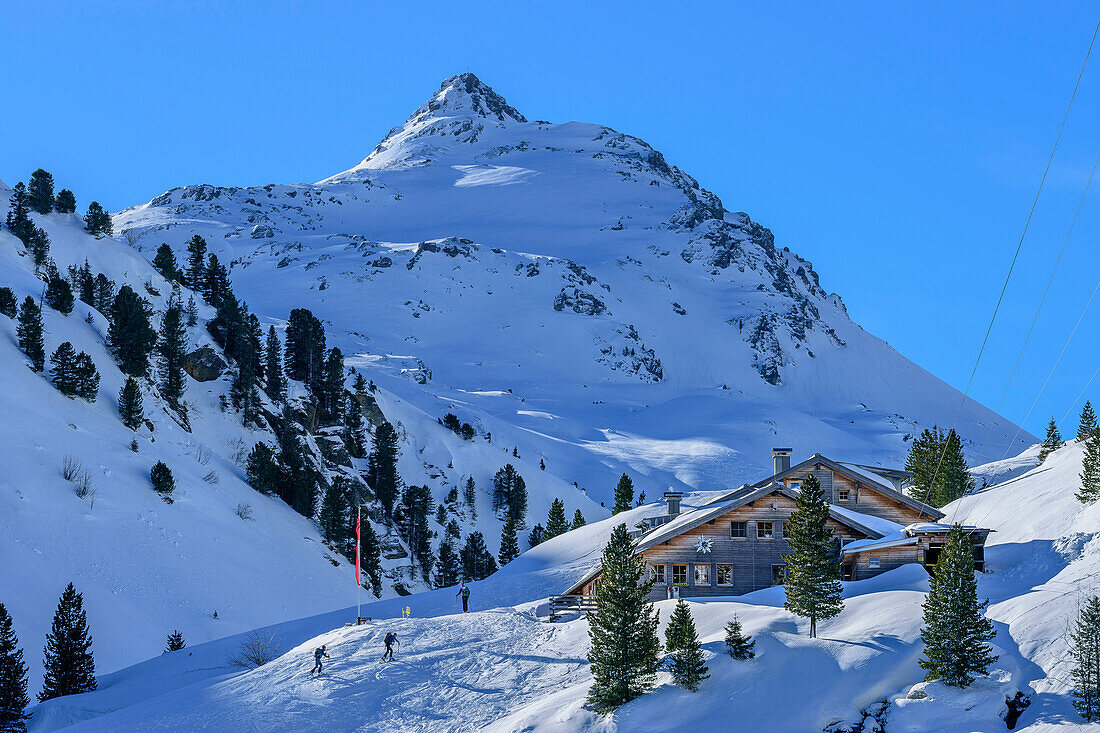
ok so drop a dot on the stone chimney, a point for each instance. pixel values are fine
(781, 460)
(672, 498)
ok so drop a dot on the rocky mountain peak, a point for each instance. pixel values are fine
(466, 95)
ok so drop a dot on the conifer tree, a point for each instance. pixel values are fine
(172, 348)
(69, 665)
(13, 678)
(40, 192)
(63, 369)
(813, 582)
(510, 495)
(469, 493)
(477, 561)
(161, 478)
(84, 282)
(556, 523)
(353, 425)
(452, 530)
(1052, 442)
(66, 202)
(273, 367)
(624, 495)
(676, 631)
(87, 377)
(688, 668)
(261, 469)
(536, 536)
(1090, 472)
(130, 334)
(174, 642)
(297, 481)
(940, 473)
(59, 294)
(578, 519)
(18, 220)
(104, 293)
(370, 558)
(305, 347)
(448, 567)
(215, 281)
(738, 644)
(245, 395)
(192, 311)
(923, 456)
(335, 517)
(97, 221)
(196, 263)
(1085, 653)
(955, 627)
(330, 390)
(509, 545)
(1087, 426)
(30, 333)
(130, 404)
(623, 630)
(411, 519)
(165, 263)
(8, 303)
(38, 242)
(382, 468)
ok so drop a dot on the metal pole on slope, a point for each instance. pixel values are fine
(358, 562)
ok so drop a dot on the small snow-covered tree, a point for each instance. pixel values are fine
(624, 494)
(738, 644)
(97, 221)
(509, 545)
(578, 519)
(63, 369)
(59, 294)
(676, 631)
(164, 262)
(13, 678)
(688, 667)
(535, 537)
(69, 665)
(447, 567)
(556, 523)
(1052, 442)
(130, 404)
(65, 202)
(174, 642)
(1085, 653)
(477, 561)
(813, 582)
(40, 192)
(30, 333)
(8, 304)
(1090, 472)
(161, 478)
(1087, 426)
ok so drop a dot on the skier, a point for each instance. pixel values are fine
(318, 653)
(465, 593)
(390, 640)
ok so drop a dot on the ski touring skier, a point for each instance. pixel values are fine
(465, 593)
(390, 640)
(318, 654)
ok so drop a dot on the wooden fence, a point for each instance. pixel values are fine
(562, 605)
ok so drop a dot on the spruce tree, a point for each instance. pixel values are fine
(160, 476)
(245, 395)
(69, 665)
(215, 281)
(59, 294)
(104, 293)
(510, 495)
(813, 582)
(172, 348)
(1085, 653)
(469, 493)
(273, 367)
(192, 311)
(1087, 427)
(353, 425)
(38, 242)
(18, 220)
(97, 221)
(578, 519)
(261, 469)
(305, 347)
(130, 335)
(370, 558)
(447, 567)
(536, 536)
(1052, 442)
(955, 627)
(297, 481)
(330, 390)
(688, 667)
(65, 202)
(8, 303)
(84, 282)
(30, 333)
(477, 561)
(382, 468)
(1090, 472)
(335, 517)
(13, 678)
(556, 524)
(196, 263)
(676, 631)
(509, 545)
(624, 495)
(738, 644)
(623, 629)
(165, 263)
(174, 642)
(130, 404)
(87, 377)
(923, 456)
(63, 369)
(954, 479)
(411, 519)
(40, 192)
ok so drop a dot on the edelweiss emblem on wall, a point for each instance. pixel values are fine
(703, 545)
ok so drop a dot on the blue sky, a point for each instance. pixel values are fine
(898, 148)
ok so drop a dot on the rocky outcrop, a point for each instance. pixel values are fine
(203, 364)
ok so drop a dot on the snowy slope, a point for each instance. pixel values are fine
(565, 289)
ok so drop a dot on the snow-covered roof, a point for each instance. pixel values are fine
(881, 526)
(868, 474)
(894, 539)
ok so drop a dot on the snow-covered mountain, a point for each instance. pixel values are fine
(566, 289)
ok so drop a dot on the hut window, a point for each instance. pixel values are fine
(765, 530)
(702, 575)
(659, 574)
(779, 574)
(739, 529)
(725, 575)
(843, 494)
(679, 574)
(796, 484)
(872, 562)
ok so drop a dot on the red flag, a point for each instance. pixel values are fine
(357, 520)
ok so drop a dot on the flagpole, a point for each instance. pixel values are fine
(358, 562)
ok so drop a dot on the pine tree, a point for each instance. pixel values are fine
(954, 479)
(510, 495)
(215, 281)
(813, 581)
(63, 369)
(688, 668)
(955, 627)
(536, 536)
(59, 294)
(130, 404)
(469, 493)
(192, 311)
(245, 395)
(370, 558)
(738, 644)
(1090, 472)
(38, 242)
(556, 523)
(1052, 442)
(174, 642)
(87, 377)
(97, 221)
(477, 561)
(330, 390)
(624, 495)
(411, 519)
(18, 220)
(172, 347)
(130, 334)
(69, 665)
(623, 630)
(382, 468)
(940, 473)
(84, 282)
(353, 426)
(1087, 427)
(40, 192)
(578, 519)
(66, 202)
(8, 303)
(273, 367)
(297, 481)
(13, 678)
(924, 455)
(335, 517)
(30, 333)
(104, 293)
(161, 478)
(196, 263)
(676, 631)
(509, 546)
(1085, 653)
(261, 469)
(448, 566)
(165, 263)
(305, 347)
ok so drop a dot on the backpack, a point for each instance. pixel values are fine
(465, 592)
